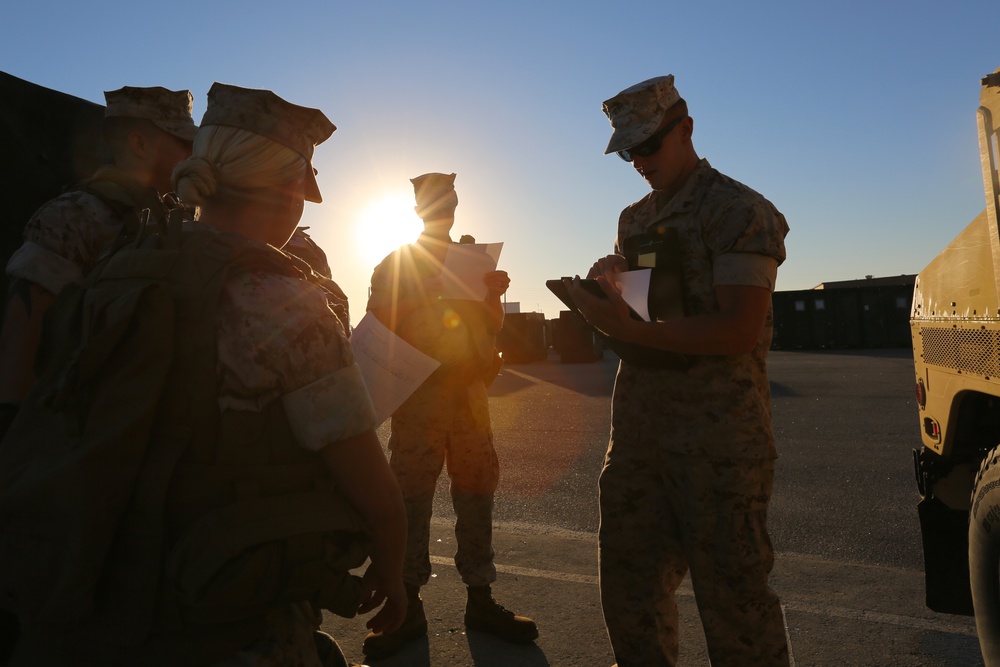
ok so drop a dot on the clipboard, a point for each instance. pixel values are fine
(631, 353)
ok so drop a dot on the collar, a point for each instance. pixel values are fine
(118, 176)
(684, 200)
(429, 239)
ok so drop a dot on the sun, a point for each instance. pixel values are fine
(385, 224)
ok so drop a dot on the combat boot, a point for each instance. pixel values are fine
(380, 645)
(485, 614)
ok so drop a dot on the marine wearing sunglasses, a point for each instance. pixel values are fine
(651, 145)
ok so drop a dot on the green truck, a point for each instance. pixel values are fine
(955, 329)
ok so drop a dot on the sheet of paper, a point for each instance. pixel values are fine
(634, 286)
(391, 367)
(464, 268)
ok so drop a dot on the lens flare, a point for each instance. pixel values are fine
(385, 224)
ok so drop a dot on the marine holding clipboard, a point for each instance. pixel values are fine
(689, 469)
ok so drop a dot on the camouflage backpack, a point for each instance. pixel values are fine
(89, 539)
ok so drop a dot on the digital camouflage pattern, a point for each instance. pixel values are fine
(444, 422)
(277, 338)
(636, 112)
(721, 406)
(664, 514)
(169, 110)
(688, 472)
(262, 112)
(66, 237)
(249, 439)
(446, 418)
(304, 248)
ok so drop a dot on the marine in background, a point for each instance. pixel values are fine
(446, 419)
(148, 131)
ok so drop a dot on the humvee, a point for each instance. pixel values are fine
(955, 329)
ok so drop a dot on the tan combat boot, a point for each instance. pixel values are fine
(379, 645)
(483, 613)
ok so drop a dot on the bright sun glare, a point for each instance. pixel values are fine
(386, 224)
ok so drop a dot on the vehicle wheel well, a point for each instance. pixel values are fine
(976, 425)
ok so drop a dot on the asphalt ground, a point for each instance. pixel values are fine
(843, 522)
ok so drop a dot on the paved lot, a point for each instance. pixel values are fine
(843, 522)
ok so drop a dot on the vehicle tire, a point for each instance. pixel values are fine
(984, 556)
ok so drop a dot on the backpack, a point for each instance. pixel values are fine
(126, 385)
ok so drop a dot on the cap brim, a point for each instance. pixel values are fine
(631, 134)
(312, 187)
(615, 144)
(183, 132)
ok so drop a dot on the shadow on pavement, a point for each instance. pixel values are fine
(590, 379)
(488, 651)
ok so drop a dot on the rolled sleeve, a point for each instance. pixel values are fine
(47, 269)
(746, 223)
(740, 268)
(331, 409)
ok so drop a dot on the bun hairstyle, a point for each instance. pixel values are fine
(229, 163)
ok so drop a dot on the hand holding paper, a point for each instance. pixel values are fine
(465, 265)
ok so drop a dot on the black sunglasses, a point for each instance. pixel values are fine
(651, 145)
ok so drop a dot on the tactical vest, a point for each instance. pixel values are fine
(133, 510)
(311, 260)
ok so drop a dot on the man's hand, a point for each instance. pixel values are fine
(610, 315)
(608, 267)
(497, 283)
(375, 591)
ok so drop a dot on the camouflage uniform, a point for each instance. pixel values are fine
(688, 473)
(303, 247)
(279, 340)
(65, 237)
(446, 418)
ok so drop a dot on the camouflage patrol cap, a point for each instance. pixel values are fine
(431, 193)
(262, 112)
(169, 110)
(429, 187)
(636, 112)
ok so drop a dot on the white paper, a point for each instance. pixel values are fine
(464, 268)
(391, 367)
(634, 286)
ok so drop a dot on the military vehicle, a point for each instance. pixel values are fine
(955, 328)
(49, 141)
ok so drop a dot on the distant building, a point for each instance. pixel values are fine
(905, 280)
(512, 307)
(864, 313)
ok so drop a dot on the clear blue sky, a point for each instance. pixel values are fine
(857, 119)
